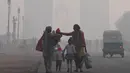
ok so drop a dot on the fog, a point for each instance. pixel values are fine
(94, 17)
(105, 23)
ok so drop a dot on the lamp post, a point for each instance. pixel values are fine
(8, 27)
(18, 23)
(23, 25)
(14, 28)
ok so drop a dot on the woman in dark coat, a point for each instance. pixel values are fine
(49, 41)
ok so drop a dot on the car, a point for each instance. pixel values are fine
(112, 43)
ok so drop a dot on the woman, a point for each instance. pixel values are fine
(49, 40)
(78, 41)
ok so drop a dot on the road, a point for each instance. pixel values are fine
(31, 64)
(101, 65)
(12, 63)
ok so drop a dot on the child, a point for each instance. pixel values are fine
(70, 53)
(58, 58)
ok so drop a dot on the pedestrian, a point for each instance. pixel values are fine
(49, 40)
(70, 53)
(59, 58)
(79, 43)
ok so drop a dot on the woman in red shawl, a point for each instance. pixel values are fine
(46, 45)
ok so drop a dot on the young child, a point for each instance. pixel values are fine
(58, 58)
(70, 53)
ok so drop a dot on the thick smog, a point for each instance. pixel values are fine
(64, 36)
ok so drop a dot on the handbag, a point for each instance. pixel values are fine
(87, 62)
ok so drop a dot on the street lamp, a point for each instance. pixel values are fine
(23, 26)
(14, 28)
(18, 23)
(8, 28)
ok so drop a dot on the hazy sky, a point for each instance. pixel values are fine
(68, 11)
(66, 14)
(117, 8)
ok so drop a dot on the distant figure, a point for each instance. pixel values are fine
(78, 41)
(49, 40)
(70, 48)
(59, 58)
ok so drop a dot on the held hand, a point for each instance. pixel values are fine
(63, 59)
(58, 31)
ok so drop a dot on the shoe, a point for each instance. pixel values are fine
(48, 72)
(67, 70)
(81, 70)
(75, 70)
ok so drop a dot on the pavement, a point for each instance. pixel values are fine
(115, 64)
(11, 63)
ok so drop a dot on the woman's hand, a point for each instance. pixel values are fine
(58, 31)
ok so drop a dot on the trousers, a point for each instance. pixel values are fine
(78, 62)
(48, 63)
(79, 57)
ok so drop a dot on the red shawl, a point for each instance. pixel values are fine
(39, 45)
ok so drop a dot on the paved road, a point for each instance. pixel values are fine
(101, 65)
(18, 63)
(29, 64)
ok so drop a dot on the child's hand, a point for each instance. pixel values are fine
(63, 59)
